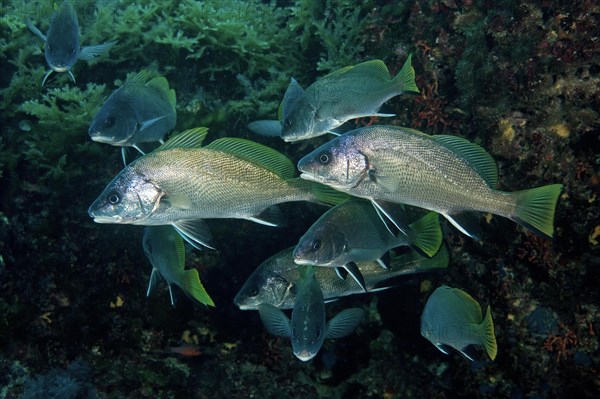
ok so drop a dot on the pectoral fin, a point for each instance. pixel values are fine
(149, 123)
(344, 323)
(388, 184)
(389, 211)
(34, 29)
(195, 232)
(275, 321)
(90, 52)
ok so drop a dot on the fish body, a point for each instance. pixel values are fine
(351, 92)
(452, 318)
(140, 111)
(308, 327)
(181, 183)
(165, 250)
(62, 46)
(276, 280)
(353, 232)
(445, 174)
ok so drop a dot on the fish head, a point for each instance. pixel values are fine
(339, 163)
(115, 123)
(264, 287)
(62, 41)
(300, 125)
(131, 198)
(322, 245)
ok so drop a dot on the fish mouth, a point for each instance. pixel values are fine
(105, 219)
(305, 355)
(60, 68)
(303, 262)
(311, 177)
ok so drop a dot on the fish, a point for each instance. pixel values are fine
(185, 350)
(348, 93)
(140, 111)
(352, 231)
(62, 47)
(308, 327)
(445, 174)
(453, 319)
(166, 252)
(276, 280)
(181, 183)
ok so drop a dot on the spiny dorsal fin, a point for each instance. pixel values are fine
(139, 78)
(256, 153)
(474, 155)
(191, 138)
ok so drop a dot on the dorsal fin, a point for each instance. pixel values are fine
(191, 138)
(474, 155)
(161, 84)
(368, 68)
(256, 153)
(139, 78)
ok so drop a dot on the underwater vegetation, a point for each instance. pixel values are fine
(521, 79)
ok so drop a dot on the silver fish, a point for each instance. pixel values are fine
(307, 327)
(353, 232)
(276, 280)
(140, 111)
(453, 319)
(62, 48)
(445, 174)
(166, 252)
(351, 92)
(182, 183)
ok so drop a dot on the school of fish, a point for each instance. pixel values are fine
(386, 186)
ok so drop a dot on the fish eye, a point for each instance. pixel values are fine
(316, 245)
(72, 49)
(287, 122)
(109, 122)
(324, 158)
(253, 292)
(114, 197)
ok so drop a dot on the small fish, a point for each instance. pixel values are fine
(62, 48)
(140, 111)
(307, 327)
(185, 350)
(445, 174)
(165, 250)
(351, 92)
(181, 183)
(276, 280)
(453, 319)
(353, 232)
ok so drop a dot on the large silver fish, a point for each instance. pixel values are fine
(308, 327)
(453, 319)
(62, 48)
(348, 93)
(140, 111)
(166, 252)
(181, 183)
(276, 280)
(445, 174)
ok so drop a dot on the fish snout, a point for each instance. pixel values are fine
(305, 355)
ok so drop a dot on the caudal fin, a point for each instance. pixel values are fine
(426, 234)
(488, 336)
(535, 208)
(406, 77)
(194, 289)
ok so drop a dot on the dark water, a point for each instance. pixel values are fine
(519, 78)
